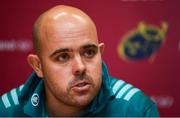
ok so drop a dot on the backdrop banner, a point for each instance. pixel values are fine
(141, 38)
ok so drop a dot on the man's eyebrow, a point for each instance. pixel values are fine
(60, 51)
(89, 46)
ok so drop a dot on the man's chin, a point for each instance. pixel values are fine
(81, 101)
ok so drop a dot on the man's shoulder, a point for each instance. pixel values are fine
(124, 90)
(24, 100)
(131, 100)
(10, 103)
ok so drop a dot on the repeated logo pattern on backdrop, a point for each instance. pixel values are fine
(143, 42)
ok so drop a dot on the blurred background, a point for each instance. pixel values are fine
(141, 37)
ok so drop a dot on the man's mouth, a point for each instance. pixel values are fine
(81, 86)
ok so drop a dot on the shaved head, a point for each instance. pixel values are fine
(64, 17)
(68, 59)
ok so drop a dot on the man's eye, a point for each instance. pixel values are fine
(89, 53)
(63, 57)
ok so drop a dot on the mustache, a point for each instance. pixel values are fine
(83, 77)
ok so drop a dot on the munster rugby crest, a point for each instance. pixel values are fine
(143, 42)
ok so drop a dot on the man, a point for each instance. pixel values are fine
(70, 78)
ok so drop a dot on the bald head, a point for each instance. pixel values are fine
(64, 18)
(67, 52)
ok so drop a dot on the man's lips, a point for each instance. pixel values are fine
(81, 86)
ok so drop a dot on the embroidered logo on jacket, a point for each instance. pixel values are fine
(35, 99)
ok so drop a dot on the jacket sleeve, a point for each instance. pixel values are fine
(152, 111)
(3, 110)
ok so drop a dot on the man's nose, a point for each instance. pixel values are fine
(78, 65)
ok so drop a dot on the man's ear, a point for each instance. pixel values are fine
(35, 63)
(101, 47)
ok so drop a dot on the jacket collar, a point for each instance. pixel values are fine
(32, 96)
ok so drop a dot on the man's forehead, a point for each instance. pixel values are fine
(71, 36)
(75, 46)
